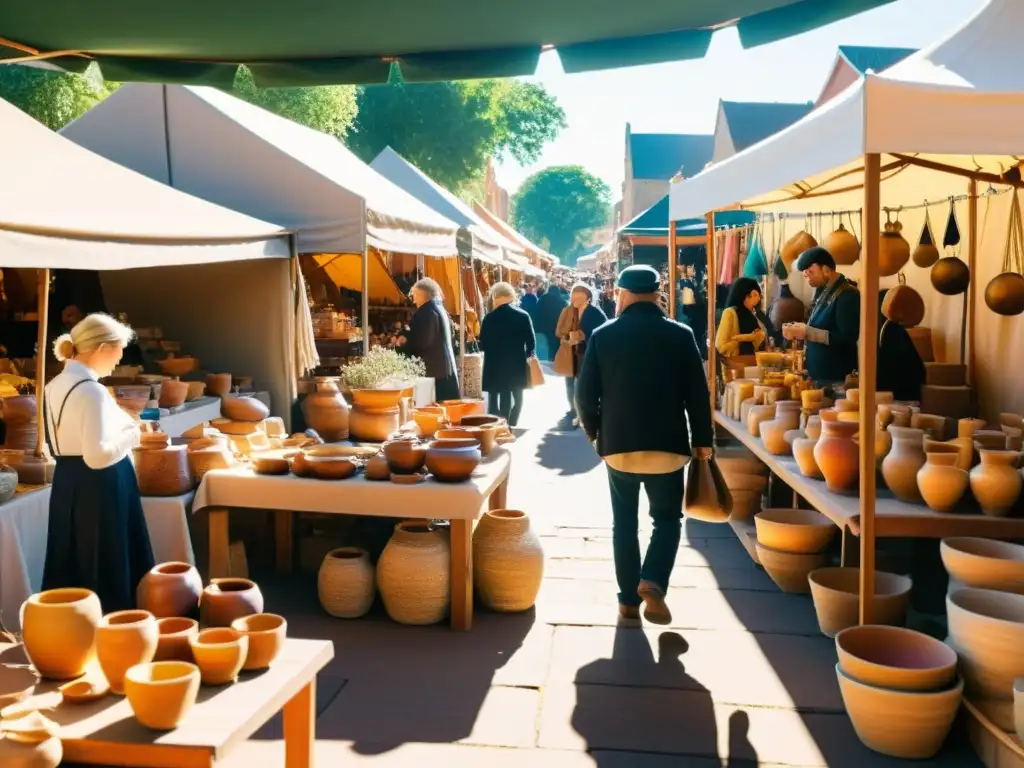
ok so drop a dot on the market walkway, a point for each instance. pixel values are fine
(743, 672)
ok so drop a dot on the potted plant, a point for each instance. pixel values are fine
(381, 377)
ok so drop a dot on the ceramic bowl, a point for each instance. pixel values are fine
(896, 658)
(220, 654)
(984, 563)
(161, 693)
(405, 457)
(453, 460)
(836, 595)
(173, 641)
(266, 633)
(177, 366)
(987, 629)
(804, 531)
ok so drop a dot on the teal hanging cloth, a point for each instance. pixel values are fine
(756, 266)
(780, 267)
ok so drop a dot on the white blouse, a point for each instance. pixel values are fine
(93, 425)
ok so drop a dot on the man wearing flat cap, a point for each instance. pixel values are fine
(833, 327)
(640, 393)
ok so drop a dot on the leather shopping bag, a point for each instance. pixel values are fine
(562, 364)
(534, 374)
(707, 497)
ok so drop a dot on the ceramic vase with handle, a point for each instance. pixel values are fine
(901, 466)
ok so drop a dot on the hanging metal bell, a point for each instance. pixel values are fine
(1004, 294)
(950, 276)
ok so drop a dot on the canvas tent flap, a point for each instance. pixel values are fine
(505, 229)
(346, 271)
(208, 143)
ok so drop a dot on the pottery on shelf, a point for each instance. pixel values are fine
(986, 628)
(177, 366)
(901, 466)
(508, 561)
(346, 583)
(934, 426)
(984, 563)
(161, 693)
(225, 600)
(266, 633)
(373, 425)
(414, 574)
(220, 654)
(789, 569)
(996, 483)
(964, 441)
(124, 639)
(990, 440)
(803, 452)
(941, 482)
(405, 457)
(58, 629)
(836, 595)
(773, 435)
(759, 413)
(173, 393)
(838, 456)
(802, 531)
(326, 411)
(895, 658)
(170, 589)
(377, 468)
(243, 408)
(163, 472)
(20, 422)
(813, 427)
(429, 420)
(196, 389)
(174, 634)
(453, 460)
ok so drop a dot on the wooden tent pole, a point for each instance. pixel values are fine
(968, 335)
(712, 258)
(41, 351)
(673, 270)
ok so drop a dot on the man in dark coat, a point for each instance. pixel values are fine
(549, 307)
(507, 340)
(639, 394)
(430, 339)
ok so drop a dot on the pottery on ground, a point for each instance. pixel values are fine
(996, 483)
(219, 653)
(789, 569)
(896, 658)
(836, 595)
(905, 724)
(243, 408)
(266, 633)
(225, 600)
(838, 456)
(414, 574)
(58, 629)
(453, 460)
(987, 629)
(170, 589)
(163, 472)
(508, 561)
(161, 693)
(802, 531)
(941, 482)
(124, 639)
(405, 457)
(326, 411)
(373, 425)
(346, 583)
(901, 466)
(803, 452)
(173, 640)
(984, 563)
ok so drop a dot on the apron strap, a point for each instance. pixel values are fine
(52, 434)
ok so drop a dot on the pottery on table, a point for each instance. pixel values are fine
(373, 425)
(161, 693)
(414, 574)
(836, 595)
(376, 398)
(346, 583)
(58, 629)
(323, 467)
(901, 466)
(896, 658)
(986, 628)
(196, 389)
(813, 428)
(270, 465)
(838, 456)
(203, 460)
(984, 563)
(996, 483)
(170, 589)
(124, 639)
(173, 639)
(173, 393)
(429, 420)
(773, 435)
(803, 452)
(225, 600)
(941, 482)
(326, 411)
(758, 414)
(508, 561)
(964, 441)
(990, 440)
(220, 654)
(803, 531)
(266, 633)
(457, 409)
(904, 724)
(243, 408)
(84, 690)
(453, 460)
(405, 457)
(20, 422)
(934, 426)
(789, 569)
(163, 472)
(218, 384)
(30, 740)
(377, 469)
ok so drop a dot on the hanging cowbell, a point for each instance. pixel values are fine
(796, 245)
(843, 246)
(926, 254)
(893, 249)
(1004, 295)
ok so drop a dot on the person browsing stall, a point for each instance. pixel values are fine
(740, 333)
(430, 338)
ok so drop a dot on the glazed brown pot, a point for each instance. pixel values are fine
(996, 483)
(941, 482)
(796, 245)
(218, 384)
(893, 250)
(243, 408)
(58, 629)
(170, 589)
(453, 460)
(901, 465)
(326, 411)
(323, 467)
(377, 469)
(405, 457)
(163, 472)
(843, 246)
(175, 634)
(173, 393)
(950, 276)
(225, 600)
(373, 425)
(838, 456)
(20, 420)
(124, 639)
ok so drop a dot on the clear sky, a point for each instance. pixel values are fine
(683, 97)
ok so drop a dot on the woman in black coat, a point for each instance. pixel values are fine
(430, 339)
(507, 340)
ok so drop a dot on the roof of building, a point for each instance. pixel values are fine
(661, 156)
(865, 57)
(751, 121)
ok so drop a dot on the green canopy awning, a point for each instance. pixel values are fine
(315, 42)
(654, 222)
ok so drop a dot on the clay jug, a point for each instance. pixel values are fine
(843, 246)
(893, 249)
(225, 600)
(59, 631)
(124, 639)
(996, 483)
(903, 462)
(171, 590)
(786, 308)
(838, 456)
(326, 411)
(941, 482)
(19, 414)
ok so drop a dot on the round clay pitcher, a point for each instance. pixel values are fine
(941, 482)
(326, 411)
(996, 483)
(903, 462)
(508, 561)
(838, 456)
(124, 639)
(59, 631)
(171, 590)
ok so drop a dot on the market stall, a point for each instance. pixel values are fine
(540, 261)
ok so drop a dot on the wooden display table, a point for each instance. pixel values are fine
(994, 747)
(460, 503)
(107, 733)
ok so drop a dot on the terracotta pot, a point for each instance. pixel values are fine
(803, 452)
(803, 531)
(901, 466)
(414, 574)
(163, 472)
(508, 561)
(266, 633)
(896, 658)
(376, 399)
(941, 482)
(124, 639)
(933, 426)
(218, 384)
(58, 628)
(373, 425)
(162, 693)
(225, 600)
(220, 654)
(326, 411)
(477, 420)
(429, 420)
(996, 483)
(175, 634)
(987, 629)
(457, 409)
(796, 245)
(405, 457)
(836, 594)
(323, 467)
(346, 583)
(739, 460)
(813, 428)
(990, 440)
(270, 465)
(453, 461)
(984, 563)
(196, 389)
(242, 408)
(20, 421)
(838, 456)
(893, 250)
(173, 393)
(906, 724)
(377, 469)
(757, 414)
(773, 435)
(177, 366)
(170, 589)
(745, 504)
(789, 569)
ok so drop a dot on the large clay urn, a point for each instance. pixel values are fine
(414, 574)
(903, 462)
(58, 629)
(996, 483)
(225, 600)
(171, 590)
(19, 414)
(326, 411)
(941, 482)
(838, 456)
(786, 308)
(124, 639)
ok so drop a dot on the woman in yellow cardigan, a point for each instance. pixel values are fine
(740, 333)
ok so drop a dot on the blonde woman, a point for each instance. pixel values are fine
(507, 340)
(97, 535)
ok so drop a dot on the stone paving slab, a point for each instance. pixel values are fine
(682, 576)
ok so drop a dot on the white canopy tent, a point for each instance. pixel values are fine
(943, 123)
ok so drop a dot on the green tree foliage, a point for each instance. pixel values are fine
(52, 98)
(329, 109)
(556, 206)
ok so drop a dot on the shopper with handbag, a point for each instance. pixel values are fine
(576, 324)
(508, 341)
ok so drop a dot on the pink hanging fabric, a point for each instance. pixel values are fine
(730, 257)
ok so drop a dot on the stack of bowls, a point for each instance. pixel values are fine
(791, 543)
(899, 687)
(836, 595)
(746, 477)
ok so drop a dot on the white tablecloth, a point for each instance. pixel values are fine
(24, 522)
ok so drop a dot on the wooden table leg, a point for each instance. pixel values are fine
(283, 541)
(220, 544)
(499, 496)
(300, 728)
(462, 574)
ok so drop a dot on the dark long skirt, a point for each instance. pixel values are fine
(447, 389)
(97, 536)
